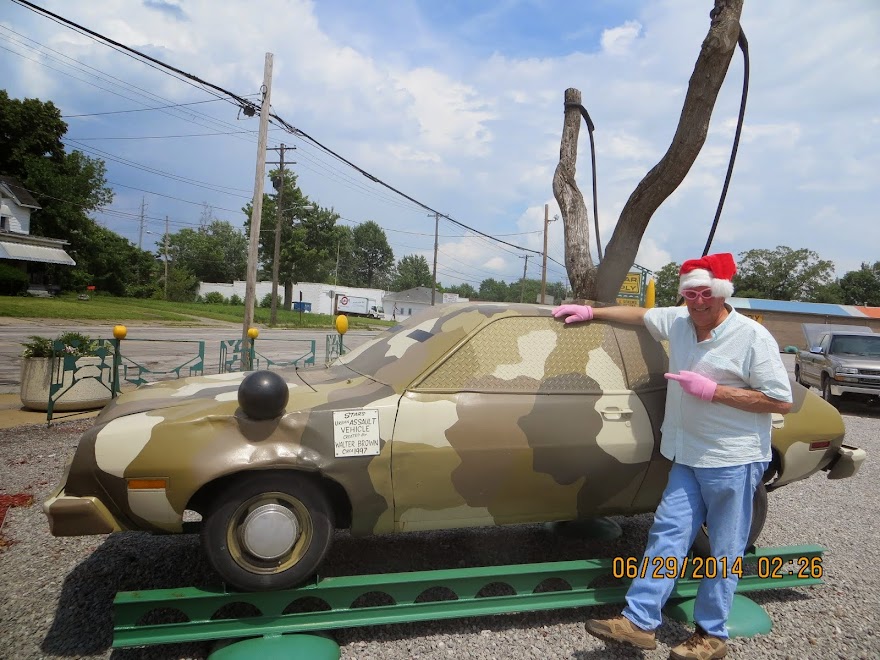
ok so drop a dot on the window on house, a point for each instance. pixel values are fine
(4, 222)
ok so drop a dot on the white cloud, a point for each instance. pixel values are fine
(618, 40)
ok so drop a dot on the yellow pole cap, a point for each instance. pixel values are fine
(119, 331)
(651, 295)
(253, 333)
(342, 324)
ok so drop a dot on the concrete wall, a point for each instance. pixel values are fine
(319, 295)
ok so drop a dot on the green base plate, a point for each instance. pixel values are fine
(746, 619)
(599, 529)
(280, 647)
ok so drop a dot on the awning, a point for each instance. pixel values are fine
(25, 252)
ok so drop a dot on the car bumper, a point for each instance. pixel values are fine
(839, 390)
(79, 516)
(847, 462)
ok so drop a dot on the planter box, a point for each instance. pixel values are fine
(86, 393)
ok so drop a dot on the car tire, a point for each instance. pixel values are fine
(833, 399)
(797, 376)
(701, 546)
(268, 530)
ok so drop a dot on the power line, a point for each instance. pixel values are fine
(250, 108)
(157, 137)
(119, 112)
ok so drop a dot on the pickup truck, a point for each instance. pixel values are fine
(842, 361)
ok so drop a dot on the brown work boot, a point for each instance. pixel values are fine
(621, 629)
(700, 646)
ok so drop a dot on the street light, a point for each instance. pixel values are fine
(273, 313)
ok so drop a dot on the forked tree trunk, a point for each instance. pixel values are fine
(603, 282)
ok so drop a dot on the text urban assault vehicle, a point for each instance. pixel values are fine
(466, 415)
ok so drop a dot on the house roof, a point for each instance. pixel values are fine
(420, 294)
(23, 247)
(14, 189)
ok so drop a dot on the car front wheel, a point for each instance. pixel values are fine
(701, 547)
(826, 393)
(268, 531)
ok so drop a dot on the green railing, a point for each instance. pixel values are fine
(333, 347)
(134, 371)
(67, 369)
(230, 355)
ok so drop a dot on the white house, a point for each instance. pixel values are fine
(17, 247)
(403, 304)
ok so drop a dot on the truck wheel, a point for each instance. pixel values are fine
(701, 547)
(797, 376)
(268, 531)
(834, 400)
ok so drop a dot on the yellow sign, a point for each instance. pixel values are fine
(753, 315)
(632, 284)
(630, 302)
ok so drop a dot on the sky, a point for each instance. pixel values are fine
(459, 105)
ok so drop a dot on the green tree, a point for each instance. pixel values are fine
(182, 285)
(861, 287)
(493, 290)
(372, 258)
(666, 285)
(309, 236)
(782, 274)
(68, 186)
(412, 271)
(464, 290)
(215, 252)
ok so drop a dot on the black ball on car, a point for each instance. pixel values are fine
(263, 395)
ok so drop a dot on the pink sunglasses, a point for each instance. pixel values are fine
(690, 294)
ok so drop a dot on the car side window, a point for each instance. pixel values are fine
(532, 354)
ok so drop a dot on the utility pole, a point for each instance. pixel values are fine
(336, 270)
(434, 276)
(256, 214)
(166, 257)
(544, 267)
(141, 232)
(522, 291)
(273, 314)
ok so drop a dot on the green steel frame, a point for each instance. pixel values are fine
(404, 591)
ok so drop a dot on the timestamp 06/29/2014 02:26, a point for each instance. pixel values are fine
(697, 568)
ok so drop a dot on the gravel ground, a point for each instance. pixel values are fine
(56, 593)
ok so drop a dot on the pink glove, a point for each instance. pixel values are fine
(573, 313)
(695, 384)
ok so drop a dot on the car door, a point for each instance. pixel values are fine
(528, 420)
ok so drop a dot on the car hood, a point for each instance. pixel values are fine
(859, 362)
(214, 394)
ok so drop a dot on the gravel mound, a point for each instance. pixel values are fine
(56, 593)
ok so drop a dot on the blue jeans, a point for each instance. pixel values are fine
(723, 498)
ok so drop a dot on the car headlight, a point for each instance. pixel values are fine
(846, 370)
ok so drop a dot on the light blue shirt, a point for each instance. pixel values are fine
(739, 353)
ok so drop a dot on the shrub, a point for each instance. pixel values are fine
(267, 301)
(13, 282)
(234, 299)
(215, 298)
(74, 343)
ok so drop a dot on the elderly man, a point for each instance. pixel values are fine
(726, 379)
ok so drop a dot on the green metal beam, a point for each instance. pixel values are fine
(404, 589)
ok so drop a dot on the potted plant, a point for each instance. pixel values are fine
(85, 385)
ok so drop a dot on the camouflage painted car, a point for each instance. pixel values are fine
(466, 415)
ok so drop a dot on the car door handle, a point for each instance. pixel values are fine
(613, 412)
(777, 421)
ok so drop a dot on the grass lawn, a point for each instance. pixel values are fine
(110, 308)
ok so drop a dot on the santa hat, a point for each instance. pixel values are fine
(714, 271)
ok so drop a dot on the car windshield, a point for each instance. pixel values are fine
(865, 345)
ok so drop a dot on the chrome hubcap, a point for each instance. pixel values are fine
(269, 531)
